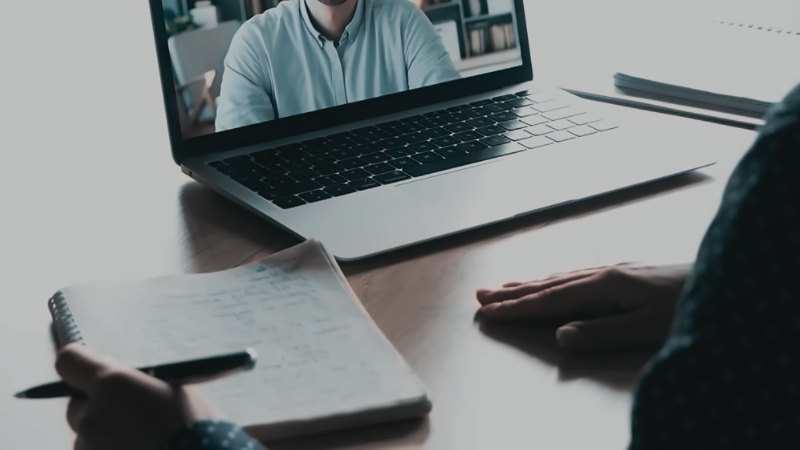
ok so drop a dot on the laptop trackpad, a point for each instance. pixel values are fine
(492, 191)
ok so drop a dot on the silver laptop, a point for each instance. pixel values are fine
(417, 120)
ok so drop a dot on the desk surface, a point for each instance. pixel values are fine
(89, 192)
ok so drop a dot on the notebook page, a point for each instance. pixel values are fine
(319, 353)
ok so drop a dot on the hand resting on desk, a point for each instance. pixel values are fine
(601, 309)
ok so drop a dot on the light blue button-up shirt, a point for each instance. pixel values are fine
(279, 65)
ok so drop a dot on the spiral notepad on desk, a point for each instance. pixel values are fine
(323, 364)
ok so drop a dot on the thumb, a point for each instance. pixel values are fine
(79, 368)
(608, 333)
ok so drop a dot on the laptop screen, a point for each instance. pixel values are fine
(244, 62)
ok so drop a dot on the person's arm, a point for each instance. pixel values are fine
(246, 90)
(729, 375)
(125, 409)
(427, 60)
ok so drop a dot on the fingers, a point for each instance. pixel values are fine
(586, 295)
(515, 291)
(79, 368)
(76, 411)
(616, 332)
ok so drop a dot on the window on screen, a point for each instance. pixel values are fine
(242, 62)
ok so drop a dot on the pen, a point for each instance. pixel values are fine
(185, 372)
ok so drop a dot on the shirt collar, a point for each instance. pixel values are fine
(350, 32)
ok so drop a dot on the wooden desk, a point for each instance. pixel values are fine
(89, 192)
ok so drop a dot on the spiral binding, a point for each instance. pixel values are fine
(757, 27)
(66, 330)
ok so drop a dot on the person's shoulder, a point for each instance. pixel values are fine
(393, 9)
(282, 17)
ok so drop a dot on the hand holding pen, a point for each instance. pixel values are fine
(123, 409)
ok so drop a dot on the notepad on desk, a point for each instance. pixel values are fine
(736, 65)
(323, 364)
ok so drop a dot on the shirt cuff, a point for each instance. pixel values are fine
(212, 435)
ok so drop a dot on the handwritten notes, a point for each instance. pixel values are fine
(319, 352)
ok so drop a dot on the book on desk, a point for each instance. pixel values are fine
(324, 365)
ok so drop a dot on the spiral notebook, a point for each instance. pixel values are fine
(742, 62)
(323, 364)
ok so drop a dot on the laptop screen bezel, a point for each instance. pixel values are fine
(326, 118)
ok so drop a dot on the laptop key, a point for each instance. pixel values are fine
(343, 154)
(534, 120)
(450, 152)
(539, 130)
(353, 163)
(603, 126)
(327, 169)
(314, 196)
(475, 113)
(409, 128)
(432, 122)
(481, 103)
(427, 157)
(582, 131)
(288, 202)
(550, 106)
(363, 185)
(392, 177)
(519, 102)
(400, 152)
(340, 190)
(434, 133)
(413, 138)
(299, 187)
(560, 124)
(463, 160)
(331, 180)
(512, 125)
(495, 140)
(525, 112)
(516, 135)
(536, 142)
(481, 122)
(366, 149)
(503, 98)
(318, 159)
(422, 147)
(503, 117)
(561, 136)
(390, 143)
(376, 157)
(303, 175)
(491, 130)
(458, 127)
(562, 113)
(356, 174)
(468, 136)
(472, 146)
(584, 119)
(499, 107)
(377, 169)
(446, 141)
(402, 163)
(540, 98)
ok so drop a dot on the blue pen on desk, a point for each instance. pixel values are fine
(185, 372)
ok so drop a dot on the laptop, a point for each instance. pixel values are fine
(419, 120)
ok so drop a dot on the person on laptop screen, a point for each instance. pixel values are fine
(306, 55)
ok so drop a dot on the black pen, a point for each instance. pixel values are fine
(185, 372)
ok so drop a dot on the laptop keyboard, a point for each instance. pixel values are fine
(344, 163)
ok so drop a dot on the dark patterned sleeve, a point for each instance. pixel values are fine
(729, 374)
(212, 435)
